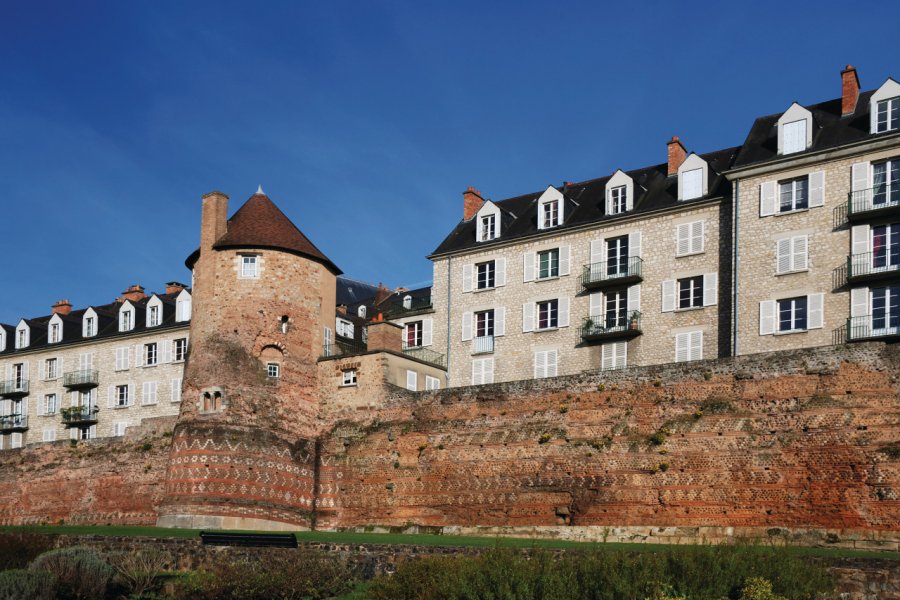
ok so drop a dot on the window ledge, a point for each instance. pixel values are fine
(791, 332)
(792, 272)
(791, 212)
(546, 329)
(551, 278)
(689, 309)
(121, 407)
(686, 254)
(347, 385)
(487, 289)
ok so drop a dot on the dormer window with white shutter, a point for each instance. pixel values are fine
(693, 178)
(884, 108)
(154, 312)
(794, 130)
(89, 323)
(361, 311)
(23, 335)
(126, 317)
(55, 330)
(183, 307)
(619, 194)
(487, 222)
(550, 208)
(2, 339)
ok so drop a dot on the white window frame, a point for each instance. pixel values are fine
(51, 374)
(183, 307)
(151, 354)
(488, 214)
(689, 346)
(248, 265)
(546, 363)
(175, 390)
(179, 354)
(432, 383)
(126, 317)
(273, 370)
(349, 377)
(149, 393)
(690, 238)
(412, 380)
(122, 398)
(51, 404)
(792, 255)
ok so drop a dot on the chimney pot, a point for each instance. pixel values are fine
(173, 287)
(849, 90)
(134, 293)
(677, 154)
(472, 202)
(62, 307)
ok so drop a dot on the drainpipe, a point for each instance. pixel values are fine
(734, 269)
(449, 312)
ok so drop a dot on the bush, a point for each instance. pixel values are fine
(22, 584)
(139, 571)
(80, 572)
(758, 588)
(274, 575)
(19, 549)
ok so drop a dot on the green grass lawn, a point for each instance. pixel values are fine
(349, 537)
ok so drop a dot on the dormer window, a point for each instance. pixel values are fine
(488, 227)
(407, 302)
(693, 178)
(126, 317)
(361, 311)
(618, 198)
(550, 214)
(550, 208)
(887, 115)
(22, 336)
(55, 333)
(89, 323)
(794, 137)
(249, 266)
(183, 307)
(2, 339)
(152, 316)
(619, 194)
(487, 222)
(794, 130)
(692, 184)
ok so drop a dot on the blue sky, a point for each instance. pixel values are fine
(365, 121)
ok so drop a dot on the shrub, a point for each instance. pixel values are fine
(19, 549)
(716, 406)
(139, 571)
(22, 584)
(80, 572)
(759, 588)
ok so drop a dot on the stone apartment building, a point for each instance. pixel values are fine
(96, 371)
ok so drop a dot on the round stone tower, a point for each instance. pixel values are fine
(243, 452)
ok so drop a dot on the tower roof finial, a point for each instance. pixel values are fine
(260, 191)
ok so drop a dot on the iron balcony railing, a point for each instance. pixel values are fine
(425, 355)
(414, 305)
(871, 326)
(875, 198)
(14, 423)
(344, 347)
(603, 326)
(13, 388)
(612, 271)
(871, 263)
(79, 415)
(85, 378)
(483, 344)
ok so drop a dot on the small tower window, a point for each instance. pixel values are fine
(273, 370)
(249, 266)
(285, 321)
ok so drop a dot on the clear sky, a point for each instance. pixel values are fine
(364, 121)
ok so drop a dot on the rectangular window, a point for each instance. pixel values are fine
(175, 395)
(548, 314)
(886, 182)
(792, 314)
(153, 316)
(689, 238)
(85, 398)
(126, 320)
(51, 369)
(273, 370)
(149, 393)
(886, 309)
(121, 397)
(616, 309)
(550, 214)
(22, 339)
(414, 334)
(49, 434)
(793, 137)
(249, 266)
(180, 349)
(482, 371)
(887, 115)
(122, 358)
(119, 428)
(345, 328)
(793, 254)
(690, 292)
(19, 376)
(545, 364)
(692, 184)
(548, 263)
(484, 323)
(54, 333)
(617, 256)
(488, 228)
(89, 330)
(618, 200)
(485, 275)
(412, 380)
(150, 356)
(794, 194)
(51, 404)
(432, 383)
(688, 346)
(348, 377)
(613, 356)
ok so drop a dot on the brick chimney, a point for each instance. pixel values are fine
(173, 287)
(62, 307)
(384, 335)
(472, 202)
(382, 294)
(134, 293)
(677, 154)
(341, 309)
(849, 90)
(213, 219)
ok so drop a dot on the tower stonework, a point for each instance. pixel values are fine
(243, 451)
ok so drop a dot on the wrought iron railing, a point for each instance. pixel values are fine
(425, 354)
(483, 344)
(14, 387)
(343, 347)
(610, 270)
(599, 325)
(13, 422)
(415, 304)
(77, 415)
(81, 378)
(875, 198)
(870, 326)
(870, 263)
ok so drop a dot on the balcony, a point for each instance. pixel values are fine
(14, 388)
(871, 267)
(612, 273)
(872, 328)
(483, 345)
(81, 379)
(13, 423)
(602, 328)
(425, 355)
(872, 203)
(414, 306)
(79, 416)
(344, 347)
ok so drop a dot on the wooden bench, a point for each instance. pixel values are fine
(253, 540)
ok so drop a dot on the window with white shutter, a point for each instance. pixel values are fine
(545, 364)
(148, 393)
(794, 137)
(119, 428)
(466, 326)
(668, 295)
(768, 198)
(175, 392)
(792, 254)
(482, 371)
(49, 434)
(692, 184)
(767, 317)
(412, 380)
(432, 383)
(467, 272)
(613, 356)
(689, 238)
(688, 346)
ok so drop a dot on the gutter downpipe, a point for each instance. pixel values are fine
(734, 269)
(449, 312)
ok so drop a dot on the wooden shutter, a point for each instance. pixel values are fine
(412, 380)
(540, 364)
(783, 255)
(466, 326)
(695, 351)
(859, 177)
(130, 394)
(500, 321)
(800, 253)
(563, 314)
(552, 363)
(477, 372)
(859, 302)
(166, 354)
(816, 315)
(595, 309)
(859, 239)
(682, 347)
(597, 250)
(816, 189)
(110, 397)
(634, 244)
(527, 317)
(768, 198)
(710, 289)
(467, 278)
(767, 317)
(500, 272)
(427, 331)
(634, 298)
(698, 236)
(668, 295)
(629, 195)
(564, 259)
(528, 273)
(145, 393)
(488, 370)
(138, 355)
(683, 239)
